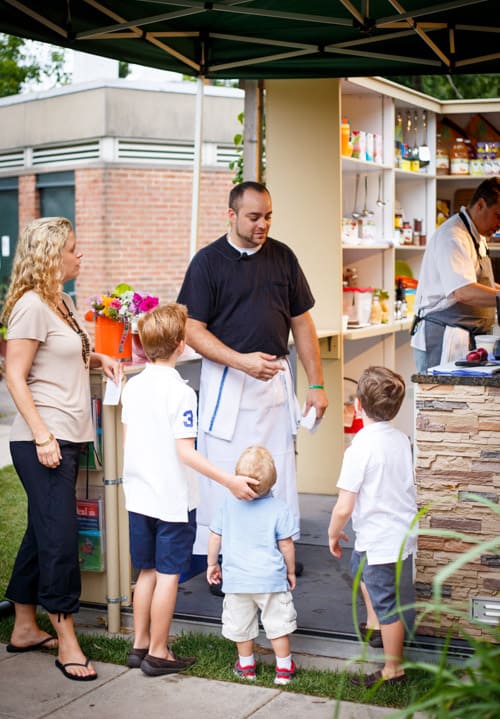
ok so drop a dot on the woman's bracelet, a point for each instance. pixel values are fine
(47, 441)
(316, 386)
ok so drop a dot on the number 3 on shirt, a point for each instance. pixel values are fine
(188, 418)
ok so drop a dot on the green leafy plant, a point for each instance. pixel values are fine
(471, 689)
(237, 165)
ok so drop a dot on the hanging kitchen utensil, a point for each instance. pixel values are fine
(380, 201)
(365, 212)
(356, 214)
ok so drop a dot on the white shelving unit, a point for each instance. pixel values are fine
(414, 192)
(313, 189)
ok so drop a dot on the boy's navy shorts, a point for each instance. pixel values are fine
(164, 546)
(380, 582)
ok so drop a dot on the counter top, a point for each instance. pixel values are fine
(472, 380)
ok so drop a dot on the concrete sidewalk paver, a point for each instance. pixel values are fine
(288, 705)
(31, 687)
(137, 696)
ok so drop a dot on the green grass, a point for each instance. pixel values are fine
(440, 691)
(12, 522)
(215, 655)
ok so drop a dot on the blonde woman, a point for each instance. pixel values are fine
(47, 363)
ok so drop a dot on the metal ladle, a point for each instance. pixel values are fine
(366, 212)
(356, 214)
(380, 201)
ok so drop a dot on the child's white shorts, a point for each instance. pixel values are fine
(240, 615)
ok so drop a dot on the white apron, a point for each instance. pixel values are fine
(237, 411)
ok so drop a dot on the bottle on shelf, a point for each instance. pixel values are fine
(406, 148)
(398, 139)
(375, 310)
(442, 157)
(345, 137)
(424, 153)
(400, 306)
(459, 158)
(414, 154)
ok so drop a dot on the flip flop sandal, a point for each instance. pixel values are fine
(32, 647)
(75, 677)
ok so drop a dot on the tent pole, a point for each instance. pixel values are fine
(198, 145)
(252, 142)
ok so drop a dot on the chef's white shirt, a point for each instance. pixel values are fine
(450, 262)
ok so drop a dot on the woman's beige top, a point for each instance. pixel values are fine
(58, 379)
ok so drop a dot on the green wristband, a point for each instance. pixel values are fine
(316, 386)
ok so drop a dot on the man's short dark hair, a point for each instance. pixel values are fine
(236, 194)
(488, 190)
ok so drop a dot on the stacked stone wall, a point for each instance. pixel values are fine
(457, 444)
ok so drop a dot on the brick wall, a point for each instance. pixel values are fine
(133, 224)
(29, 200)
(457, 446)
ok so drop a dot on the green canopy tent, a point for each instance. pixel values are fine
(272, 38)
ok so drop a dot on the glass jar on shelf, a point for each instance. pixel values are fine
(459, 158)
(442, 157)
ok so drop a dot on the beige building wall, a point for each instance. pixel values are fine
(303, 174)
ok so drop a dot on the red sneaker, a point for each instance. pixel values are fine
(285, 676)
(247, 672)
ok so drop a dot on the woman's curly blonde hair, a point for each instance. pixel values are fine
(38, 262)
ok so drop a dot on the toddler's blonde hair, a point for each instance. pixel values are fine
(257, 462)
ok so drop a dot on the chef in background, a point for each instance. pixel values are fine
(457, 293)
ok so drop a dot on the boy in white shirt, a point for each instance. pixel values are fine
(161, 492)
(376, 487)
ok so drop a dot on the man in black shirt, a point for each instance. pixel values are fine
(245, 292)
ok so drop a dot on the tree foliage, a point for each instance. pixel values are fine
(453, 87)
(19, 65)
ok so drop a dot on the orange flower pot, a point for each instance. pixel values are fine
(113, 338)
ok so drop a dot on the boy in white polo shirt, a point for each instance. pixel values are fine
(258, 568)
(161, 493)
(377, 488)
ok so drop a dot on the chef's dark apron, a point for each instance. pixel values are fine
(475, 320)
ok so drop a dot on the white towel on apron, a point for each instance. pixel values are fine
(267, 413)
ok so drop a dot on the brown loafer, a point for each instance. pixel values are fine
(135, 657)
(374, 636)
(157, 667)
(370, 680)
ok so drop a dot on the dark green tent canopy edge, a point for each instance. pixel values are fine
(257, 39)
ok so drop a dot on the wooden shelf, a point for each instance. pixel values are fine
(410, 248)
(474, 178)
(378, 330)
(354, 165)
(374, 246)
(409, 176)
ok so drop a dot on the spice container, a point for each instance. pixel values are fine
(459, 158)
(345, 138)
(407, 234)
(442, 157)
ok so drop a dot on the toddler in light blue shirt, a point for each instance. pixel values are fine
(258, 567)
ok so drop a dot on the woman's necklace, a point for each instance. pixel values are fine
(71, 320)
